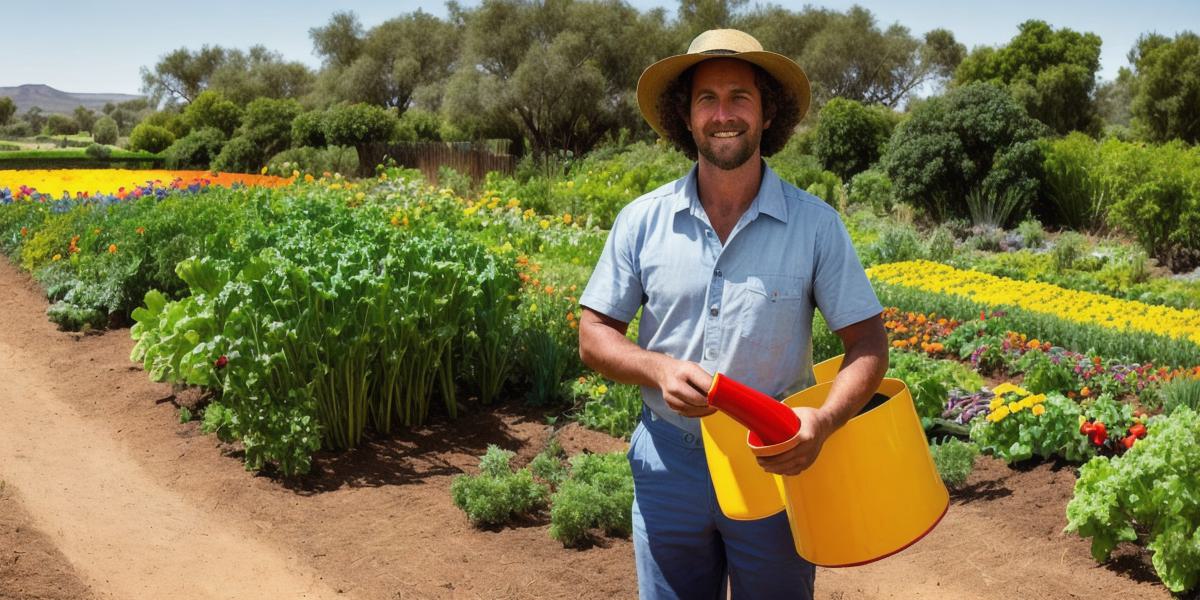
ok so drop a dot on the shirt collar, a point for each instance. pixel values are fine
(768, 201)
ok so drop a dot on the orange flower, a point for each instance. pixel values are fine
(1085, 392)
(141, 230)
(549, 289)
(24, 231)
(112, 248)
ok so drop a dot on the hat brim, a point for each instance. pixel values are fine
(658, 76)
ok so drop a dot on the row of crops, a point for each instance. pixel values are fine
(326, 309)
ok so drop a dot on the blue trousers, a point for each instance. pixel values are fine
(684, 547)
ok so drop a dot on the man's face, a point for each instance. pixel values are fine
(726, 112)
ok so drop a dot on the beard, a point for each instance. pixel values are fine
(728, 154)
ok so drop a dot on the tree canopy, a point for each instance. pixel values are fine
(1166, 84)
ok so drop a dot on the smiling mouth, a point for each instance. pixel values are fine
(726, 134)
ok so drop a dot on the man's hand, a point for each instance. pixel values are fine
(685, 387)
(815, 428)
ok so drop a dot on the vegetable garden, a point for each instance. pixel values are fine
(317, 313)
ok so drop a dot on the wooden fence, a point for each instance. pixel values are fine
(469, 158)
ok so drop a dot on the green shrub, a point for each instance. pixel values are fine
(940, 245)
(497, 495)
(239, 155)
(150, 138)
(212, 109)
(358, 124)
(61, 125)
(597, 495)
(871, 188)
(954, 459)
(850, 137)
(268, 124)
(16, 129)
(548, 465)
(896, 242)
(1032, 233)
(451, 179)
(315, 161)
(98, 151)
(196, 150)
(1069, 248)
(420, 125)
(610, 407)
(105, 131)
(308, 129)
(1072, 183)
(1156, 197)
(974, 137)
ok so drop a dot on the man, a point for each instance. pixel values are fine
(726, 265)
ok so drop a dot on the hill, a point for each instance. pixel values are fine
(51, 100)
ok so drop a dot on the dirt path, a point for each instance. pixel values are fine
(127, 535)
(122, 498)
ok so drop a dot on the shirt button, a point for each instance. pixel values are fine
(710, 353)
(713, 310)
(718, 272)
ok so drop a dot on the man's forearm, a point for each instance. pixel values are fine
(863, 368)
(606, 350)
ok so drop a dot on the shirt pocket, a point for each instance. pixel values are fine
(770, 306)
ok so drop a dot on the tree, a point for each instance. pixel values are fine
(340, 42)
(260, 73)
(976, 138)
(850, 57)
(61, 125)
(696, 16)
(85, 117)
(1166, 100)
(850, 137)
(1051, 72)
(105, 131)
(560, 73)
(8, 108)
(782, 30)
(33, 115)
(196, 150)
(181, 75)
(308, 129)
(268, 124)
(212, 109)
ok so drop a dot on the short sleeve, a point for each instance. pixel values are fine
(841, 289)
(615, 288)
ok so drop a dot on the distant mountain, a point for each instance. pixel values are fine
(51, 100)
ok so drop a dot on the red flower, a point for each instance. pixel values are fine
(221, 362)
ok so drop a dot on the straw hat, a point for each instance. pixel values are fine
(718, 43)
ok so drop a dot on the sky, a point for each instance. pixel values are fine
(100, 47)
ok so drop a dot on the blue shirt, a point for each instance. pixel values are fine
(744, 309)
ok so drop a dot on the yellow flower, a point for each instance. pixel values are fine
(570, 184)
(998, 415)
(1038, 410)
(359, 196)
(567, 219)
(295, 173)
(1004, 388)
(602, 389)
(57, 257)
(996, 402)
(544, 224)
(308, 178)
(1015, 407)
(263, 171)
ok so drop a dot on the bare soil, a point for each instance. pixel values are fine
(107, 495)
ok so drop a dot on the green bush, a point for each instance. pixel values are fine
(1156, 197)
(607, 406)
(315, 161)
(497, 494)
(597, 495)
(1068, 248)
(268, 124)
(98, 151)
(150, 138)
(974, 137)
(850, 137)
(940, 245)
(420, 125)
(105, 131)
(196, 150)
(548, 465)
(897, 242)
(358, 124)
(954, 459)
(1072, 183)
(871, 188)
(1032, 233)
(239, 155)
(61, 125)
(308, 129)
(212, 109)
(16, 129)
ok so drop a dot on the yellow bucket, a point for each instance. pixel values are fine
(872, 492)
(874, 489)
(744, 491)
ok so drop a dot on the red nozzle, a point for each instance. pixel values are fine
(772, 421)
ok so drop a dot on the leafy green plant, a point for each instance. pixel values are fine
(1181, 392)
(548, 465)
(497, 494)
(598, 494)
(929, 380)
(1151, 489)
(610, 407)
(954, 459)
(1020, 426)
(1044, 375)
(1032, 233)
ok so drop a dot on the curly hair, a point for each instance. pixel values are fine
(779, 106)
